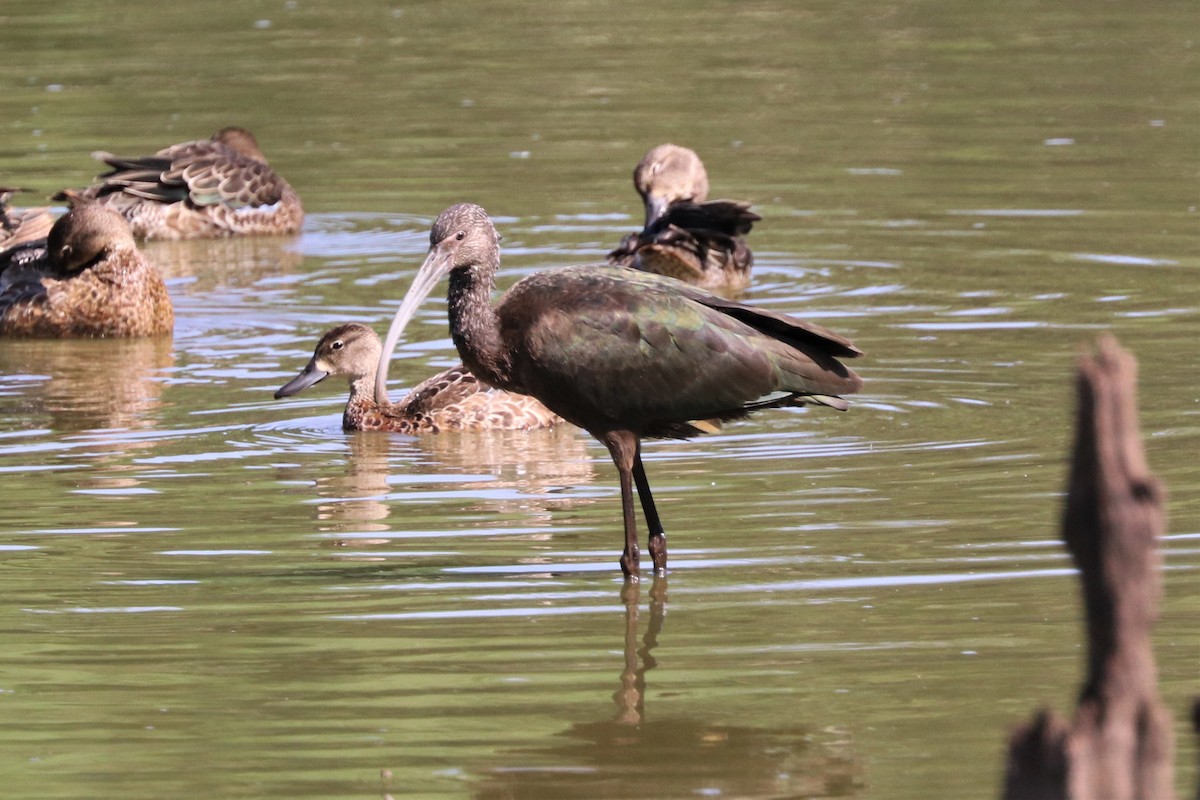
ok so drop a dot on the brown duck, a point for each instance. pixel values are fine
(452, 400)
(19, 226)
(88, 280)
(205, 189)
(684, 236)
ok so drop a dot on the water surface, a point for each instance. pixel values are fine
(204, 591)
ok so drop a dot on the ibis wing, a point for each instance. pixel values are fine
(784, 327)
(622, 347)
(623, 364)
(772, 323)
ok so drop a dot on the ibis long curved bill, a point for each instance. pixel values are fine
(435, 266)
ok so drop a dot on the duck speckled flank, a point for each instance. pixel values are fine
(684, 236)
(89, 280)
(210, 188)
(451, 400)
(19, 226)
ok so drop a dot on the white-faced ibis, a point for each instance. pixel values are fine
(685, 235)
(88, 280)
(204, 189)
(19, 226)
(453, 400)
(621, 353)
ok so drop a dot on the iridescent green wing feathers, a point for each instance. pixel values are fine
(694, 355)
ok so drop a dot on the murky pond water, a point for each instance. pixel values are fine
(205, 591)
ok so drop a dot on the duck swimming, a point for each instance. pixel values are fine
(685, 236)
(209, 188)
(451, 400)
(88, 280)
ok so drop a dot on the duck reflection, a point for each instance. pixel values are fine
(356, 499)
(521, 471)
(84, 384)
(105, 391)
(635, 756)
(237, 262)
(534, 466)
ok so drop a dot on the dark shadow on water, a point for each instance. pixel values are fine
(634, 755)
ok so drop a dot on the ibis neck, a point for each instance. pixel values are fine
(475, 326)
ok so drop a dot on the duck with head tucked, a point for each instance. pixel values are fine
(89, 280)
(204, 189)
(451, 400)
(687, 236)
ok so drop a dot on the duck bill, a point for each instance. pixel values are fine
(436, 264)
(655, 208)
(308, 376)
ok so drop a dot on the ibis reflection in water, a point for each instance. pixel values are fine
(622, 354)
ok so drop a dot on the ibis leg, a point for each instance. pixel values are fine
(658, 537)
(623, 447)
(631, 555)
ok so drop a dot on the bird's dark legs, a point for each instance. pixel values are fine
(623, 447)
(657, 543)
(630, 557)
(626, 451)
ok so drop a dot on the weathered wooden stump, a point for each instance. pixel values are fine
(1119, 745)
(1196, 729)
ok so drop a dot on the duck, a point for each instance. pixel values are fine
(686, 236)
(209, 188)
(453, 400)
(624, 354)
(19, 226)
(88, 279)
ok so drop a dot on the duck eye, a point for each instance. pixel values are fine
(460, 235)
(338, 345)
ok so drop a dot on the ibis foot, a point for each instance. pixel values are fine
(658, 552)
(629, 564)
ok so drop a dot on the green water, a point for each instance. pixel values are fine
(210, 593)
